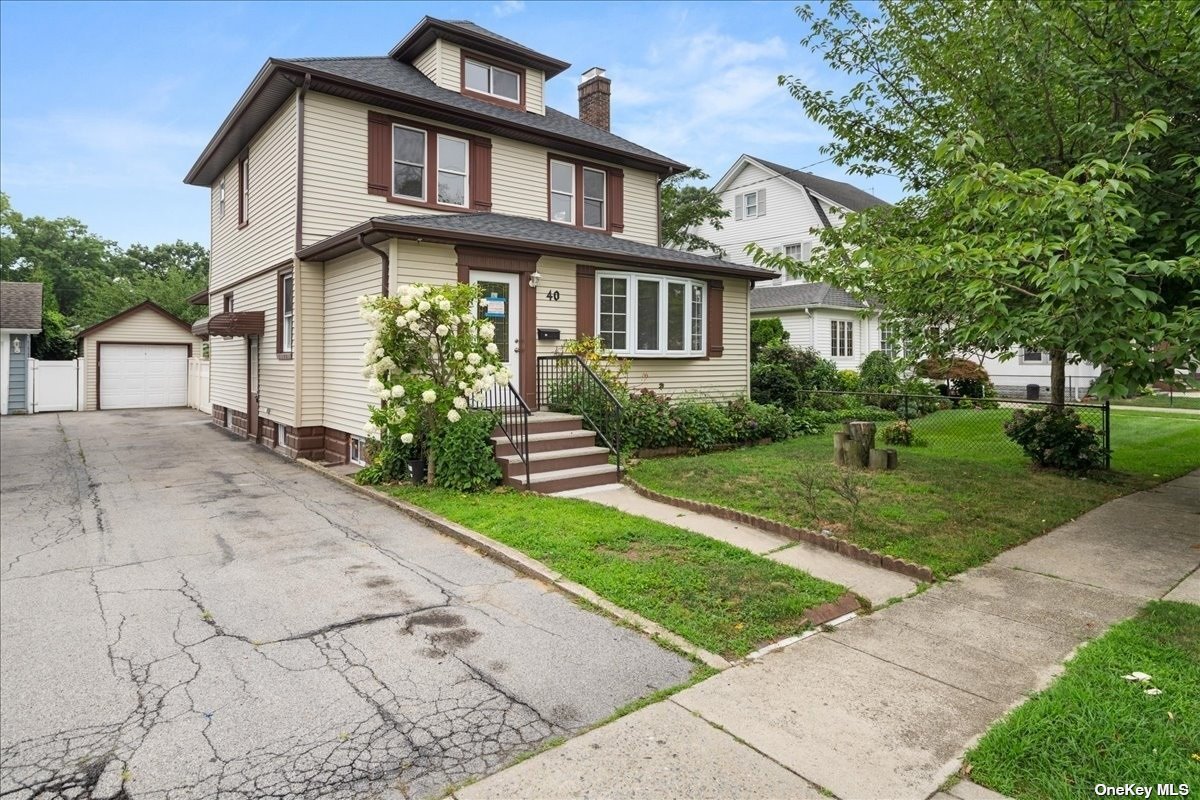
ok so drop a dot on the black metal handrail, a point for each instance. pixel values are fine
(512, 418)
(566, 383)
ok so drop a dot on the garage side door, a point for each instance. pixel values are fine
(143, 375)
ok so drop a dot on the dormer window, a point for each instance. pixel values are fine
(491, 80)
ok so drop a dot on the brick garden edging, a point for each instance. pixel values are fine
(819, 538)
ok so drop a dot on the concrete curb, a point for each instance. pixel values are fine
(524, 565)
(819, 538)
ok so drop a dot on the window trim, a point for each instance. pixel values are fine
(360, 444)
(221, 198)
(746, 205)
(284, 349)
(1040, 361)
(841, 337)
(492, 63)
(478, 197)
(466, 173)
(244, 190)
(887, 344)
(425, 152)
(632, 278)
(577, 204)
(227, 302)
(583, 171)
(574, 194)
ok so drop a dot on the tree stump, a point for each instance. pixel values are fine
(882, 459)
(853, 445)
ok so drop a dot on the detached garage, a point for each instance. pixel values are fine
(137, 359)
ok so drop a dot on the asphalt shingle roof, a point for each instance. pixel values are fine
(842, 194)
(798, 295)
(20, 305)
(389, 74)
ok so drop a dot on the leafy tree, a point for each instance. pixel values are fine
(684, 207)
(764, 332)
(1061, 101)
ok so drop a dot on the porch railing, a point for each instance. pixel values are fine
(566, 383)
(512, 418)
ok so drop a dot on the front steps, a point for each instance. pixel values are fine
(562, 455)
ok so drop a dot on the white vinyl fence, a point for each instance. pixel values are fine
(198, 385)
(56, 385)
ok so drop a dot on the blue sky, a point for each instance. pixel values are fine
(104, 106)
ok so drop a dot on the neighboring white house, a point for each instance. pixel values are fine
(783, 210)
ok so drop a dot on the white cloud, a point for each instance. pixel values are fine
(507, 8)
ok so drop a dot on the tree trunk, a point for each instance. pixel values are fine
(1058, 378)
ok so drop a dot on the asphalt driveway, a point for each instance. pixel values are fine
(183, 615)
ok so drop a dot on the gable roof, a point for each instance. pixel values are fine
(145, 305)
(20, 306)
(839, 193)
(475, 37)
(527, 235)
(392, 84)
(800, 295)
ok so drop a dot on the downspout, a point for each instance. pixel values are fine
(300, 160)
(297, 278)
(812, 329)
(383, 262)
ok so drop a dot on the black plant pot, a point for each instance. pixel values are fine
(416, 469)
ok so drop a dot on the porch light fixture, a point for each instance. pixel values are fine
(535, 278)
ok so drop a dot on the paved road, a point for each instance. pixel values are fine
(187, 616)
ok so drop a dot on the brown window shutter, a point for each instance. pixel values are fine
(616, 200)
(716, 319)
(481, 173)
(379, 154)
(585, 301)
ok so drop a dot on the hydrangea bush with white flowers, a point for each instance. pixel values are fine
(428, 357)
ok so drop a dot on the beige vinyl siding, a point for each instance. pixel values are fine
(276, 377)
(310, 343)
(558, 275)
(144, 327)
(345, 389)
(270, 237)
(418, 262)
(449, 69)
(535, 91)
(641, 207)
(227, 372)
(519, 179)
(427, 62)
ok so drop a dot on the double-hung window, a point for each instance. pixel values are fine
(651, 315)
(452, 170)
(841, 343)
(594, 197)
(489, 79)
(412, 173)
(562, 192)
(287, 316)
(408, 162)
(887, 341)
(1029, 356)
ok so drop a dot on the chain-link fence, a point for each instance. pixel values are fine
(948, 424)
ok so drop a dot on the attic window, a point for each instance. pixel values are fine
(491, 80)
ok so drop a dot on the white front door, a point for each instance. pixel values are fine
(502, 292)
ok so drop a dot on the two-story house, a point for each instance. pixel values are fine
(333, 178)
(783, 210)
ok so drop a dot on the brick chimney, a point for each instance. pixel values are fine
(594, 93)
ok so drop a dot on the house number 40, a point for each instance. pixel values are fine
(552, 294)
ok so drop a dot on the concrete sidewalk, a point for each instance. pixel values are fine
(876, 584)
(885, 706)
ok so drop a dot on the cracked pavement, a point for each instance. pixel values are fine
(184, 615)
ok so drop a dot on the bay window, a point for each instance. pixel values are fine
(651, 315)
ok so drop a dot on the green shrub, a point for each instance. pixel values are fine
(924, 399)
(774, 384)
(809, 368)
(1056, 438)
(854, 413)
(764, 332)
(646, 421)
(466, 461)
(878, 373)
(387, 460)
(900, 433)
(701, 426)
(806, 422)
(848, 380)
(752, 421)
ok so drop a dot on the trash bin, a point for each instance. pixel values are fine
(1032, 390)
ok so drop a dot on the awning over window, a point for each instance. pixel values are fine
(231, 323)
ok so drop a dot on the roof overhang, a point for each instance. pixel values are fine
(278, 79)
(145, 305)
(200, 298)
(231, 323)
(429, 29)
(376, 230)
(21, 331)
(811, 307)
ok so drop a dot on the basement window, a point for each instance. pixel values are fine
(358, 451)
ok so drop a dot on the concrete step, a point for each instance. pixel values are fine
(563, 479)
(551, 460)
(542, 442)
(546, 422)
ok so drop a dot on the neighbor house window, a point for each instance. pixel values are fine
(287, 316)
(801, 252)
(642, 314)
(408, 162)
(887, 341)
(221, 199)
(562, 192)
(1032, 356)
(841, 342)
(492, 80)
(358, 451)
(750, 205)
(244, 190)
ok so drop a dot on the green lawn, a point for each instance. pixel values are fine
(1092, 726)
(950, 505)
(722, 598)
(1163, 401)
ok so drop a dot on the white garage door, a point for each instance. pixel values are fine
(143, 375)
